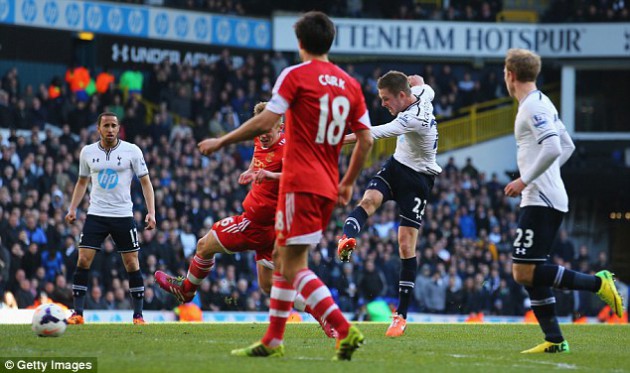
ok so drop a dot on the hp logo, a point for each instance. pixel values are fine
(242, 33)
(161, 24)
(223, 31)
(29, 10)
(51, 12)
(201, 28)
(136, 22)
(5, 7)
(261, 35)
(108, 178)
(73, 14)
(94, 17)
(181, 26)
(115, 19)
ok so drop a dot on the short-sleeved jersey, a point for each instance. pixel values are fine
(416, 146)
(536, 120)
(261, 201)
(111, 172)
(320, 102)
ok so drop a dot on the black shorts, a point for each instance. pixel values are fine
(537, 228)
(123, 231)
(409, 188)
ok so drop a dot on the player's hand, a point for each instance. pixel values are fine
(415, 80)
(209, 146)
(150, 222)
(344, 195)
(71, 216)
(514, 188)
(262, 175)
(246, 177)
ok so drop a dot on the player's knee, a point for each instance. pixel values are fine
(522, 276)
(131, 264)
(84, 262)
(406, 250)
(204, 247)
(265, 288)
(369, 204)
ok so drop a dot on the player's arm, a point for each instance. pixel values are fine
(149, 198)
(567, 146)
(359, 155)
(255, 126)
(77, 196)
(266, 175)
(549, 152)
(394, 128)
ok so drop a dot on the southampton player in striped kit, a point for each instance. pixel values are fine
(111, 165)
(252, 230)
(320, 102)
(543, 147)
(406, 178)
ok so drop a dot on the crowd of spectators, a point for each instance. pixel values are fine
(215, 97)
(558, 11)
(463, 254)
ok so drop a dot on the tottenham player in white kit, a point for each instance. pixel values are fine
(406, 178)
(543, 147)
(111, 164)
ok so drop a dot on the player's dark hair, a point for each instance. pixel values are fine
(105, 114)
(394, 82)
(523, 63)
(316, 32)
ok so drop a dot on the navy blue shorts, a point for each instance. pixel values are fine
(537, 228)
(409, 188)
(97, 228)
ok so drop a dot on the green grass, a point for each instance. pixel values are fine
(425, 347)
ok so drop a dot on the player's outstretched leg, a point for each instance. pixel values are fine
(608, 292)
(351, 228)
(173, 285)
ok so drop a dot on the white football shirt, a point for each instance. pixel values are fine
(536, 120)
(416, 129)
(111, 172)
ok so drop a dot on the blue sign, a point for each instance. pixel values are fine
(108, 178)
(119, 20)
(7, 11)
(241, 32)
(139, 21)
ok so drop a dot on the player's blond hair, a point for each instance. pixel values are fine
(523, 63)
(394, 81)
(260, 107)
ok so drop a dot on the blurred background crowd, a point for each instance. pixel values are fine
(463, 253)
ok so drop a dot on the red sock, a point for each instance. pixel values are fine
(320, 301)
(197, 271)
(280, 304)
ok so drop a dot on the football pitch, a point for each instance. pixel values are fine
(179, 347)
